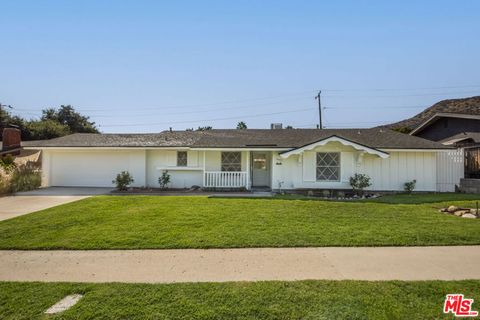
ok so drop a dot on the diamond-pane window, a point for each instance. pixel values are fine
(182, 158)
(231, 161)
(328, 166)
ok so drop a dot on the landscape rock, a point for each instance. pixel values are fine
(469, 215)
(452, 209)
(460, 213)
(474, 211)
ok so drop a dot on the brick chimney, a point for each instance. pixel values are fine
(11, 139)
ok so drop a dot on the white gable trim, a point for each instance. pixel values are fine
(343, 141)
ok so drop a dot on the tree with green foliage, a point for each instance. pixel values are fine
(53, 123)
(241, 125)
(205, 128)
(46, 129)
(66, 115)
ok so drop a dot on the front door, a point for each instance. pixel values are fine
(260, 169)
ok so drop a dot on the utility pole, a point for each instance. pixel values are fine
(319, 110)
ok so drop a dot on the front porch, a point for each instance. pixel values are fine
(225, 170)
(227, 179)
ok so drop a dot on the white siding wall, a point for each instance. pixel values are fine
(387, 174)
(167, 159)
(450, 169)
(299, 171)
(99, 168)
(401, 167)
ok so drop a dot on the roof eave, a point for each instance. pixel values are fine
(332, 138)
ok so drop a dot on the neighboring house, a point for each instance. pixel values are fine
(464, 106)
(461, 131)
(275, 159)
(443, 126)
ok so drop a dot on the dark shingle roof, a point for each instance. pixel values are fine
(469, 105)
(250, 138)
(474, 136)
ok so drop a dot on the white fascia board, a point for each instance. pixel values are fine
(345, 142)
(241, 149)
(106, 148)
(419, 150)
(156, 148)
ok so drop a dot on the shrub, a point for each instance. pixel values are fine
(7, 163)
(4, 184)
(123, 181)
(359, 181)
(164, 179)
(25, 178)
(409, 186)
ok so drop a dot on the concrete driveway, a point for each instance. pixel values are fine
(27, 202)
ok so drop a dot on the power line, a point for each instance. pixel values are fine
(104, 108)
(202, 120)
(403, 95)
(404, 89)
(375, 107)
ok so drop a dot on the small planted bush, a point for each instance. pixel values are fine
(409, 186)
(164, 179)
(123, 181)
(359, 182)
(8, 163)
(25, 178)
(4, 184)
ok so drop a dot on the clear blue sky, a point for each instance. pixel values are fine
(144, 66)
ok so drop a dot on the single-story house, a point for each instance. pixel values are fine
(277, 159)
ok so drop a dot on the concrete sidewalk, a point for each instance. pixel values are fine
(218, 265)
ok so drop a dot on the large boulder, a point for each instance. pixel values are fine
(469, 215)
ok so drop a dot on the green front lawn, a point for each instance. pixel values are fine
(134, 222)
(238, 300)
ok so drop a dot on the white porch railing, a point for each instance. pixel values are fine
(225, 179)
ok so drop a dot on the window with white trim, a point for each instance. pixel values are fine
(328, 166)
(231, 161)
(182, 158)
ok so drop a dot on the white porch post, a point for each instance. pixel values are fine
(204, 168)
(249, 183)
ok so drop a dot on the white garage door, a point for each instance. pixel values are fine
(88, 169)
